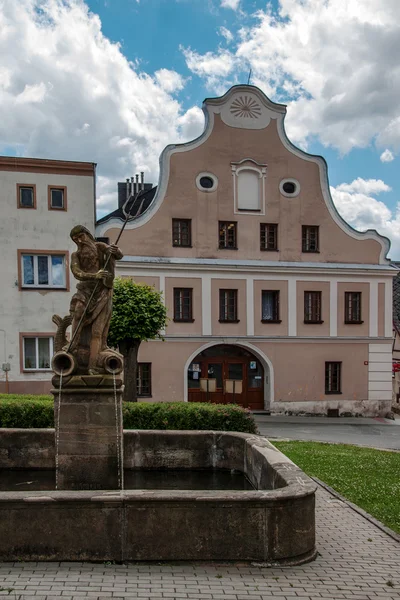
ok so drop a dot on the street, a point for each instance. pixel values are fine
(374, 432)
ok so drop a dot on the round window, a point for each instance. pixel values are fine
(206, 182)
(289, 187)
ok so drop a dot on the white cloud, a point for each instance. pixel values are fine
(364, 186)
(359, 208)
(387, 156)
(70, 93)
(325, 59)
(169, 81)
(233, 4)
(228, 35)
(213, 67)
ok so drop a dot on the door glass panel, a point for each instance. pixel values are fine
(194, 374)
(235, 371)
(254, 374)
(215, 372)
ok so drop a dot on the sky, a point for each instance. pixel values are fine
(115, 81)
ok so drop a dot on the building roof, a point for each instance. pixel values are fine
(140, 204)
(44, 165)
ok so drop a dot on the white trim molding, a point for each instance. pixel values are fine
(373, 309)
(248, 164)
(333, 307)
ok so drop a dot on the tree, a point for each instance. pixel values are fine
(138, 315)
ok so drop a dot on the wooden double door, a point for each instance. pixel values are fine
(238, 380)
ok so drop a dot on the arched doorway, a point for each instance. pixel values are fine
(236, 376)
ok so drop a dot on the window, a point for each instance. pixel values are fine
(352, 307)
(26, 196)
(182, 233)
(57, 198)
(249, 190)
(268, 236)
(289, 188)
(228, 306)
(143, 382)
(312, 307)
(227, 235)
(37, 353)
(206, 182)
(270, 306)
(310, 238)
(43, 270)
(333, 378)
(183, 302)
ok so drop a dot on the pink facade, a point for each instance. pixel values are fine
(264, 283)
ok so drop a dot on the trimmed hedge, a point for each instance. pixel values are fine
(26, 412)
(23, 411)
(187, 415)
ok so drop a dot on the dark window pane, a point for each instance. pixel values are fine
(194, 374)
(181, 232)
(57, 198)
(144, 379)
(352, 307)
(206, 182)
(227, 235)
(310, 238)
(30, 353)
(270, 305)
(228, 305)
(312, 307)
(333, 377)
(183, 304)
(26, 198)
(289, 187)
(43, 270)
(269, 236)
(27, 266)
(214, 371)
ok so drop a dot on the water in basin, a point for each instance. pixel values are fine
(207, 479)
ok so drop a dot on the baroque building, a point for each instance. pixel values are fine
(275, 302)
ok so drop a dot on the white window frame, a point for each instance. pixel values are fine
(36, 283)
(37, 338)
(248, 164)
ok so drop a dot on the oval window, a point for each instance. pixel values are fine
(206, 182)
(289, 187)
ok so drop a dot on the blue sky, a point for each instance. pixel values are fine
(117, 80)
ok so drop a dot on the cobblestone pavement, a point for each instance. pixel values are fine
(356, 561)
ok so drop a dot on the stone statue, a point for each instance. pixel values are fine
(87, 353)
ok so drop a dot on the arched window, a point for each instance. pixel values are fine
(249, 186)
(249, 190)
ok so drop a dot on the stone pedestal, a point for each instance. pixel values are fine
(89, 433)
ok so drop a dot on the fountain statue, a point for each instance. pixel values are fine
(87, 389)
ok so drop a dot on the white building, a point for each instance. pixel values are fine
(41, 200)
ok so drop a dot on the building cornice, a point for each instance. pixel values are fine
(253, 266)
(42, 165)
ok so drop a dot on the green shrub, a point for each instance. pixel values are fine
(24, 411)
(185, 415)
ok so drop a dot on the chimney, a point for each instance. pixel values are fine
(131, 186)
(137, 183)
(142, 180)
(127, 189)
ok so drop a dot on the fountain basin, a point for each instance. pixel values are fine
(275, 522)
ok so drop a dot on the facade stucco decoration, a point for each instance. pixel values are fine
(249, 186)
(247, 107)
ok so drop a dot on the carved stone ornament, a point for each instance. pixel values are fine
(85, 351)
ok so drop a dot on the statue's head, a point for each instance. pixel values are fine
(79, 234)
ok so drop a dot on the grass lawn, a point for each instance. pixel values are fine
(366, 477)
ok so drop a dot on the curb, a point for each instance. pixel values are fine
(358, 510)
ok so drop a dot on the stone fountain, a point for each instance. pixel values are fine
(236, 497)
